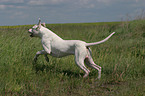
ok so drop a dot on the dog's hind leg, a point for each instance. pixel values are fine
(89, 62)
(83, 67)
(79, 60)
(42, 52)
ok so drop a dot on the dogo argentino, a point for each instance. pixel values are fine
(57, 47)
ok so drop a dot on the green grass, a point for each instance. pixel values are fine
(122, 59)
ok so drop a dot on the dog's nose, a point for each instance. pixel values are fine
(30, 30)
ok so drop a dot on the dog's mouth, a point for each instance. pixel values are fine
(30, 31)
(31, 35)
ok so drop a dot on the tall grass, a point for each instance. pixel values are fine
(122, 59)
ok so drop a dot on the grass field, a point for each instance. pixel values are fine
(122, 59)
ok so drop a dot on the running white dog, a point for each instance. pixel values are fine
(57, 47)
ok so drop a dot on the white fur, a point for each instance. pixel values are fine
(57, 47)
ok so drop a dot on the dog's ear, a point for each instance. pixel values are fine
(39, 23)
(44, 24)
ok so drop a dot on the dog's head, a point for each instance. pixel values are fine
(35, 30)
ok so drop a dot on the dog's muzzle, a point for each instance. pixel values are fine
(30, 31)
(31, 35)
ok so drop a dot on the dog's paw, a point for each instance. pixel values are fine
(46, 58)
(35, 59)
(86, 75)
(98, 78)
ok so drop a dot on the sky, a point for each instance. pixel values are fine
(26, 12)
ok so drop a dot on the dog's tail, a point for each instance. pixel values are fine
(95, 43)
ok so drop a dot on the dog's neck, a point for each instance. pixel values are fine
(46, 33)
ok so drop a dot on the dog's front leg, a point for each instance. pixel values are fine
(47, 49)
(42, 52)
(46, 58)
(46, 46)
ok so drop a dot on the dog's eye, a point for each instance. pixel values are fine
(34, 28)
(37, 28)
